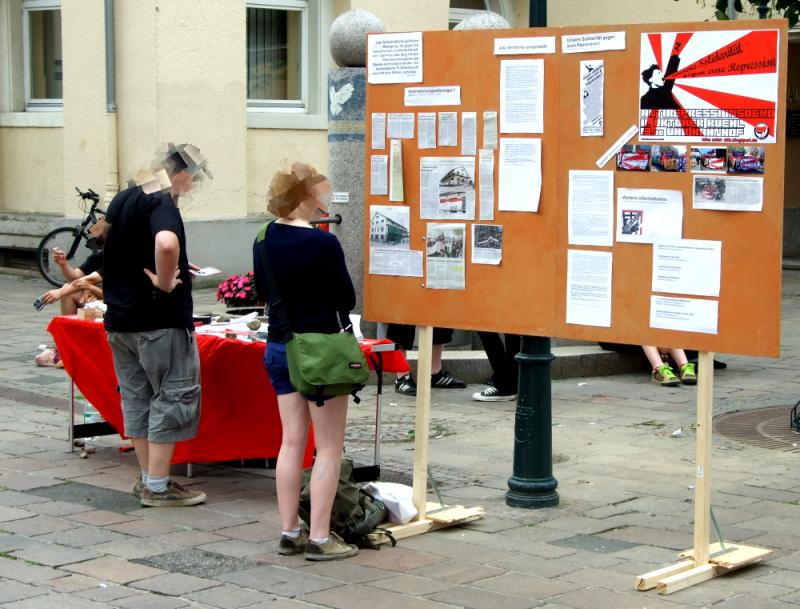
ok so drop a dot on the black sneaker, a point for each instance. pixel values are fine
(444, 380)
(405, 385)
(492, 394)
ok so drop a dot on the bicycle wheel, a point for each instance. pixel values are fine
(62, 238)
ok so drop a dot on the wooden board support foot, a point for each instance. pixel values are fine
(437, 517)
(692, 576)
(651, 579)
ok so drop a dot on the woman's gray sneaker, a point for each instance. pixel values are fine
(332, 549)
(175, 496)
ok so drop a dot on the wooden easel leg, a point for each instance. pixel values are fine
(702, 488)
(423, 414)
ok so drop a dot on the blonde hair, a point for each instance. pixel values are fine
(288, 189)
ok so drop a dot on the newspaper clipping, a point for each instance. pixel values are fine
(487, 243)
(445, 256)
(592, 77)
(447, 188)
(389, 238)
(728, 194)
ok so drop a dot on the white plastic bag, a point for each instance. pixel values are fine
(396, 497)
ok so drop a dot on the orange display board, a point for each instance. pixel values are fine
(526, 293)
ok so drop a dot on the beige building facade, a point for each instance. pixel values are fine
(244, 80)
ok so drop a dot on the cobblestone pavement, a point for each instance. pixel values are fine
(72, 536)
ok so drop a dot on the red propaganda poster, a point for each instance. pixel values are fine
(709, 86)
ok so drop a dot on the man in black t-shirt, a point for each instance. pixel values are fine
(149, 323)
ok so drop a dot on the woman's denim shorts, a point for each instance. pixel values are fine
(278, 371)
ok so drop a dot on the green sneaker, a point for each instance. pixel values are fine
(293, 545)
(332, 549)
(664, 376)
(687, 374)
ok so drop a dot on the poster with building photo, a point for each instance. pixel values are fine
(389, 239)
(445, 256)
(447, 188)
(715, 86)
(487, 243)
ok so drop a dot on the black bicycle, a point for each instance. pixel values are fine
(74, 241)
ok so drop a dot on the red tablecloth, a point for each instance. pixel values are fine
(239, 411)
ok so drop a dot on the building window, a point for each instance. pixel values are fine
(461, 9)
(43, 66)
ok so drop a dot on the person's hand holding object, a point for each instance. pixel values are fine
(51, 296)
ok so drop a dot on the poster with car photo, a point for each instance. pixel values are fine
(746, 159)
(634, 158)
(668, 158)
(709, 160)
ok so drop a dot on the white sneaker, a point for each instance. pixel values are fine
(492, 394)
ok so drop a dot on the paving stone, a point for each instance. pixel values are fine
(54, 555)
(52, 600)
(57, 508)
(411, 584)
(21, 571)
(594, 543)
(200, 518)
(99, 518)
(599, 578)
(452, 548)
(254, 532)
(37, 525)
(474, 598)
(395, 559)
(81, 536)
(234, 547)
(72, 583)
(26, 482)
(104, 592)
(174, 584)
(345, 571)
(534, 565)
(151, 601)
(458, 571)
(279, 580)
(228, 596)
(145, 527)
(526, 586)
(91, 496)
(15, 498)
(676, 540)
(357, 596)
(114, 569)
(190, 538)
(597, 598)
(10, 542)
(196, 562)
(13, 591)
(745, 601)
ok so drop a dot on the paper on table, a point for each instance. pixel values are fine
(469, 135)
(486, 176)
(490, 130)
(394, 57)
(433, 96)
(448, 128)
(589, 288)
(688, 266)
(401, 125)
(647, 215)
(426, 130)
(590, 208)
(378, 130)
(684, 314)
(378, 179)
(522, 95)
(206, 271)
(520, 174)
(396, 171)
(591, 97)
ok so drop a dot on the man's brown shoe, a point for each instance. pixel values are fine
(138, 487)
(175, 496)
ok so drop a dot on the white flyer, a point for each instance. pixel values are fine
(379, 175)
(490, 130)
(445, 256)
(590, 207)
(448, 128)
(396, 170)
(614, 148)
(589, 288)
(684, 314)
(589, 43)
(378, 130)
(426, 130)
(394, 57)
(728, 194)
(469, 133)
(522, 96)
(401, 125)
(591, 97)
(688, 266)
(433, 96)
(486, 177)
(520, 174)
(648, 215)
(529, 45)
(487, 244)
(392, 262)
(447, 188)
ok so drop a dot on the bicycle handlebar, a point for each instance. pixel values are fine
(89, 194)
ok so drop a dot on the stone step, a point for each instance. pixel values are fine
(572, 361)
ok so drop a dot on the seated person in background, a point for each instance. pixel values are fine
(75, 294)
(662, 371)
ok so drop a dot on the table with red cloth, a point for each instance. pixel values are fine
(239, 409)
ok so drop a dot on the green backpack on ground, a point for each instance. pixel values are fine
(355, 513)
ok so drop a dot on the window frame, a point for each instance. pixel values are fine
(33, 104)
(310, 112)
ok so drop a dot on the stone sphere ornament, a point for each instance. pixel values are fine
(348, 37)
(483, 20)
